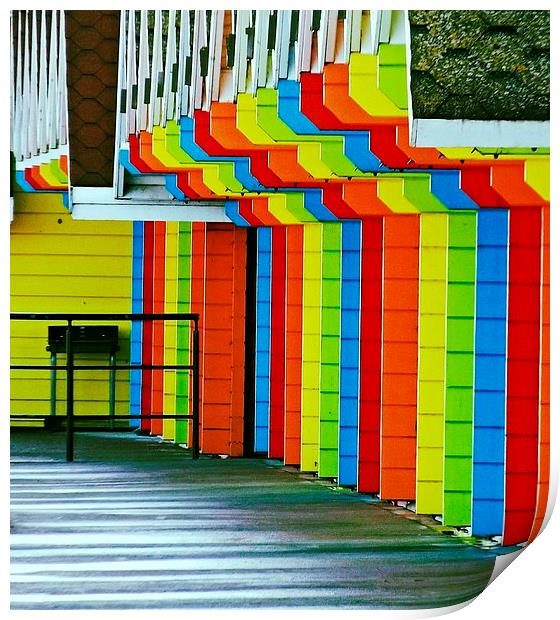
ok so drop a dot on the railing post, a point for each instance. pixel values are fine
(53, 383)
(112, 379)
(69, 394)
(195, 395)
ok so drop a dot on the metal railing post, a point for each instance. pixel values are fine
(195, 395)
(112, 379)
(53, 383)
(69, 394)
(70, 367)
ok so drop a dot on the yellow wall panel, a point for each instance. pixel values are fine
(62, 265)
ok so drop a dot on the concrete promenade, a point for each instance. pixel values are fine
(135, 523)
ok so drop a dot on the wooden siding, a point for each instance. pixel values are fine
(62, 265)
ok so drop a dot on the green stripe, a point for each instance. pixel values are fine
(330, 351)
(311, 345)
(183, 329)
(461, 260)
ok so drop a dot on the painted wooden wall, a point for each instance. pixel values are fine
(402, 318)
(62, 265)
(192, 267)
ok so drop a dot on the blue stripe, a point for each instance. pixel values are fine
(242, 165)
(356, 143)
(136, 326)
(124, 161)
(490, 373)
(445, 185)
(171, 186)
(262, 339)
(349, 354)
(232, 211)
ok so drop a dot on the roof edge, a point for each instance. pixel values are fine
(439, 132)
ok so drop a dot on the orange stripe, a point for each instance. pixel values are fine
(222, 432)
(336, 77)
(544, 420)
(64, 163)
(198, 243)
(260, 210)
(238, 340)
(400, 357)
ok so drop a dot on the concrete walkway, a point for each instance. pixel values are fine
(135, 523)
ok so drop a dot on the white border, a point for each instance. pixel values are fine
(439, 132)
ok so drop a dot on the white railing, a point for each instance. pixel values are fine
(175, 62)
(39, 109)
(172, 63)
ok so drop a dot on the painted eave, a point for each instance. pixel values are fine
(99, 203)
(437, 132)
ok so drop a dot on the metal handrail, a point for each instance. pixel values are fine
(70, 367)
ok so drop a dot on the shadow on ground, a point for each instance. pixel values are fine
(134, 522)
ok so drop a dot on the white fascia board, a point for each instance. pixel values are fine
(436, 132)
(98, 203)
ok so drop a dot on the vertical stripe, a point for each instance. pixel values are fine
(237, 339)
(431, 363)
(490, 372)
(459, 372)
(544, 404)
(330, 351)
(277, 343)
(349, 353)
(400, 356)
(262, 340)
(182, 401)
(147, 326)
(136, 326)
(311, 347)
(523, 373)
(158, 326)
(294, 295)
(221, 377)
(369, 441)
(198, 252)
(170, 328)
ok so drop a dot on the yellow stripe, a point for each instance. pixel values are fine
(364, 89)
(391, 191)
(170, 327)
(537, 176)
(431, 362)
(311, 347)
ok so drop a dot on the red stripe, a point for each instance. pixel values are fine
(158, 326)
(277, 343)
(476, 182)
(523, 374)
(246, 211)
(147, 327)
(294, 296)
(370, 357)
